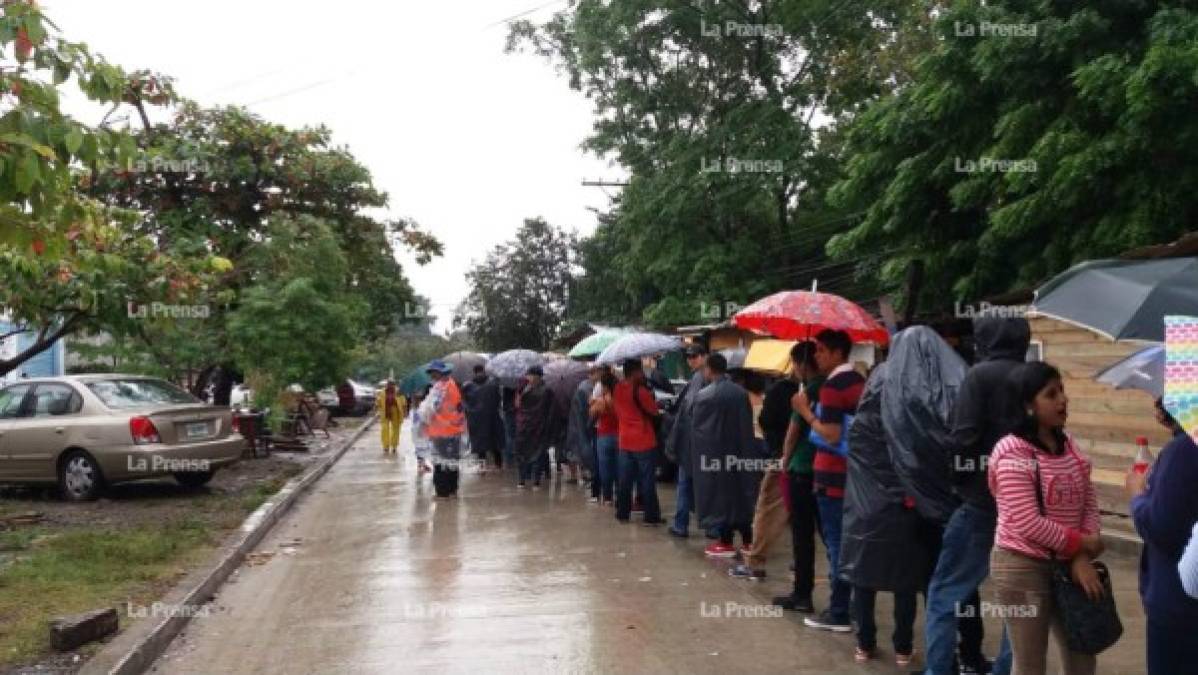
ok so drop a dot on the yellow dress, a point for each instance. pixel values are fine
(390, 421)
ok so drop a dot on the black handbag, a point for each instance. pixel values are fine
(1090, 627)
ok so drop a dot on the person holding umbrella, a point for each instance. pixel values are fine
(445, 428)
(1164, 508)
(534, 409)
(829, 420)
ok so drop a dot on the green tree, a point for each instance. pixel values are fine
(714, 109)
(68, 263)
(519, 294)
(1015, 152)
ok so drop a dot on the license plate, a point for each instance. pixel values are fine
(196, 430)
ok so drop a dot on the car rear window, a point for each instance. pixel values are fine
(138, 393)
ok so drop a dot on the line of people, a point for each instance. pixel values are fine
(926, 478)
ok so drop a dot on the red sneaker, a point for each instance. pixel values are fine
(719, 550)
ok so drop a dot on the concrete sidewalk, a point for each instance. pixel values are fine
(369, 575)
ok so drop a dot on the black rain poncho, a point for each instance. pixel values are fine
(924, 375)
(721, 440)
(880, 545)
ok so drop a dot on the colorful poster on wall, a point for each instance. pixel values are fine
(1181, 371)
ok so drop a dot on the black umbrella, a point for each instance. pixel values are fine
(563, 377)
(1122, 299)
(463, 365)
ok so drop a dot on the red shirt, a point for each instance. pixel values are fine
(636, 430)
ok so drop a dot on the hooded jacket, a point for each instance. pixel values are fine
(987, 406)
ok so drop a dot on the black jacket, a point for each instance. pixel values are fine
(987, 406)
(776, 412)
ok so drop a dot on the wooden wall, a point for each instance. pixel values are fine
(1105, 421)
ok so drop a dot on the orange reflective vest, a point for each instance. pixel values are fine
(448, 419)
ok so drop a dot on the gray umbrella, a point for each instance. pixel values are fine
(1144, 370)
(1122, 299)
(513, 364)
(735, 357)
(463, 364)
(564, 376)
(637, 345)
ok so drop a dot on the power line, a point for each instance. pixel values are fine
(524, 13)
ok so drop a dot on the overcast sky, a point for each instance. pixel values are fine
(465, 139)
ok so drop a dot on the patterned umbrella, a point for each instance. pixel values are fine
(513, 364)
(801, 315)
(1144, 370)
(595, 344)
(637, 345)
(1181, 371)
(463, 365)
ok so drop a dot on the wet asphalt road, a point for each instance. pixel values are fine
(368, 574)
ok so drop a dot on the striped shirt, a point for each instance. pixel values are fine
(1188, 567)
(1070, 504)
(838, 397)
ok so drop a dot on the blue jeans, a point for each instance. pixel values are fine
(606, 457)
(963, 565)
(831, 513)
(685, 501)
(509, 436)
(640, 468)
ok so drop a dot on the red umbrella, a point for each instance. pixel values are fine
(801, 315)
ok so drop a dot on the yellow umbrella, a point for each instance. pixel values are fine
(770, 356)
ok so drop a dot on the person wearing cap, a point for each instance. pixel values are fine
(534, 407)
(678, 446)
(392, 408)
(445, 428)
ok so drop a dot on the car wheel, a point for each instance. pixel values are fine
(194, 479)
(79, 477)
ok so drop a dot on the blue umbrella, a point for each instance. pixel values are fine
(637, 345)
(1144, 370)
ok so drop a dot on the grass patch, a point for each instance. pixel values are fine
(81, 570)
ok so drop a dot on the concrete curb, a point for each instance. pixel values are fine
(134, 652)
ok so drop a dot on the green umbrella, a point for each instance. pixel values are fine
(593, 345)
(414, 381)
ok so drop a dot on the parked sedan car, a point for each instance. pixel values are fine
(355, 398)
(85, 431)
(327, 398)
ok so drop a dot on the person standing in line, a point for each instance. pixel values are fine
(798, 456)
(421, 414)
(507, 415)
(770, 516)
(607, 429)
(838, 399)
(1047, 509)
(445, 428)
(1164, 508)
(580, 430)
(881, 547)
(482, 399)
(678, 447)
(392, 408)
(725, 455)
(534, 409)
(636, 411)
(986, 410)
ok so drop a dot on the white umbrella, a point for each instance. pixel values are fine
(637, 345)
(513, 364)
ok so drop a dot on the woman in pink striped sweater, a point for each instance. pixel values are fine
(1027, 541)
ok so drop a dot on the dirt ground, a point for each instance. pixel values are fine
(32, 518)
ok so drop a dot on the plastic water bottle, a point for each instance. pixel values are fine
(1143, 456)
